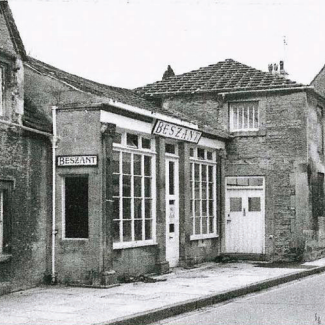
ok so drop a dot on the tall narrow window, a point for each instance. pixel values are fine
(1, 90)
(76, 207)
(203, 198)
(5, 223)
(244, 116)
(133, 192)
(320, 130)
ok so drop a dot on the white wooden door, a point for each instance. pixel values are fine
(1, 221)
(172, 212)
(245, 221)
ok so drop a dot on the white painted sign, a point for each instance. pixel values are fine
(177, 132)
(75, 161)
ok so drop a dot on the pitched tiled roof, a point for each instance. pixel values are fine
(122, 95)
(225, 76)
(13, 30)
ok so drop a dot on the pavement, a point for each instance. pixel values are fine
(164, 296)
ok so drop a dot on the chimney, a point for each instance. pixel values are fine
(270, 66)
(168, 73)
(282, 71)
(275, 67)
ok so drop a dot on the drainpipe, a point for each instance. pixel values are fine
(54, 231)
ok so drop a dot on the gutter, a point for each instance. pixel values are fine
(239, 92)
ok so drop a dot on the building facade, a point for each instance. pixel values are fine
(273, 194)
(25, 209)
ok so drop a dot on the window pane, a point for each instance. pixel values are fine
(197, 171)
(127, 231)
(171, 178)
(197, 190)
(209, 155)
(136, 165)
(256, 118)
(137, 186)
(211, 211)
(231, 181)
(245, 118)
(204, 190)
(254, 204)
(251, 117)
(116, 163)
(148, 208)
(146, 143)
(137, 208)
(210, 191)
(126, 163)
(116, 209)
(117, 138)
(204, 207)
(170, 148)
(256, 182)
(126, 186)
(147, 166)
(197, 226)
(240, 117)
(116, 185)
(204, 172)
(197, 208)
(191, 207)
(241, 181)
(76, 207)
(126, 208)
(148, 229)
(211, 225)
(200, 153)
(132, 140)
(235, 204)
(204, 226)
(235, 118)
(138, 229)
(147, 187)
(210, 168)
(116, 231)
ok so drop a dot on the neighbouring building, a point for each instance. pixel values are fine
(273, 191)
(25, 173)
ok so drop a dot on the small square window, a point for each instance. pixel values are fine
(132, 140)
(117, 138)
(235, 204)
(201, 153)
(170, 148)
(146, 143)
(244, 116)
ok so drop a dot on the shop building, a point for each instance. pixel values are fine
(137, 186)
(274, 166)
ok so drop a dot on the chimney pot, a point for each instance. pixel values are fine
(270, 66)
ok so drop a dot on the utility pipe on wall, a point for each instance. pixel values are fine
(54, 231)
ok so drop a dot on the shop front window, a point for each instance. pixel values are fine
(203, 194)
(133, 192)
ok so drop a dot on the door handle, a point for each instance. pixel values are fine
(244, 212)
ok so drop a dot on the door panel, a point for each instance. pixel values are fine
(245, 221)
(172, 212)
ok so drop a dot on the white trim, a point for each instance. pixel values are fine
(126, 123)
(211, 143)
(134, 244)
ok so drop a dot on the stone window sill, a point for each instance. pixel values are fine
(259, 133)
(5, 257)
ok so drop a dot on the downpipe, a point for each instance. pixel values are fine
(54, 230)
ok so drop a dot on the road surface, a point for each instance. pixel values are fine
(300, 302)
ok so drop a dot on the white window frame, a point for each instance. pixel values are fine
(123, 148)
(196, 160)
(241, 107)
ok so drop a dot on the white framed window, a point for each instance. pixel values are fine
(133, 191)
(203, 193)
(2, 86)
(243, 116)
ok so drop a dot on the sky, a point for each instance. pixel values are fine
(129, 43)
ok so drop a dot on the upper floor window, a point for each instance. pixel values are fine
(243, 116)
(1, 89)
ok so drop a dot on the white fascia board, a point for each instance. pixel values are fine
(155, 115)
(126, 123)
(211, 143)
